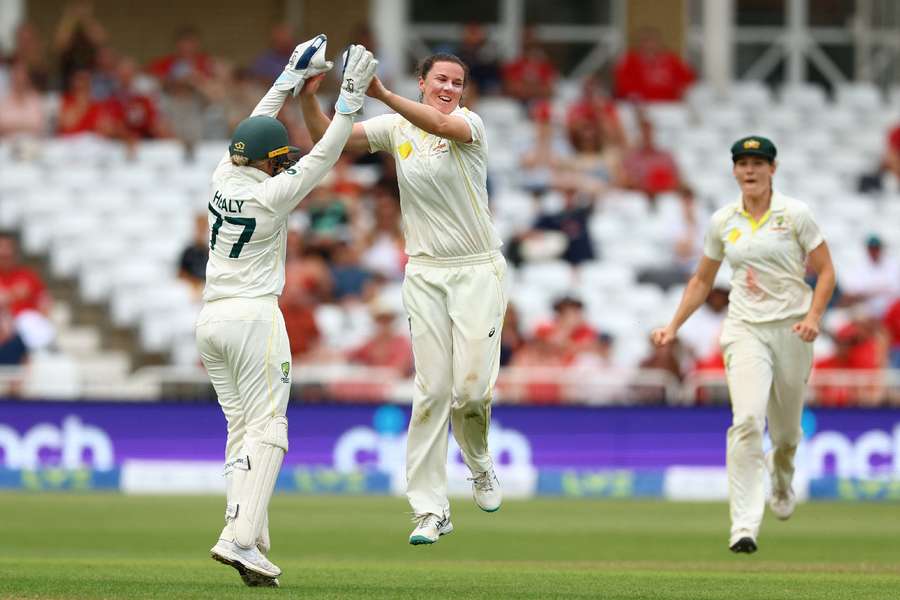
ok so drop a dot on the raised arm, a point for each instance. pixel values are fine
(270, 104)
(317, 121)
(291, 186)
(426, 118)
(288, 188)
(694, 295)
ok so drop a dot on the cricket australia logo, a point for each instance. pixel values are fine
(285, 372)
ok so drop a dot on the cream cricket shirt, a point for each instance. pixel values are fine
(248, 213)
(767, 258)
(443, 193)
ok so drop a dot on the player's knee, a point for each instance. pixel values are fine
(474, 388)
(785, 442)
(276, 433)
(747, 428)
(269, 430)
(432, 389)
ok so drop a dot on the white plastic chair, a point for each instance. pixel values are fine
(861, 96)
(803, 96)
(554, 276)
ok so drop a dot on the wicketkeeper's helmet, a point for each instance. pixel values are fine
(261, 137)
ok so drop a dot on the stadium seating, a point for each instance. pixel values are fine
(117, 223)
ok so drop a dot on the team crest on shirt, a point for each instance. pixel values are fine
(285, 372)
(781, 224)
(734, 235)
(442, 147)
(405, 149)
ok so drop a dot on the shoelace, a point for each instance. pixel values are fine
(483, 482)
(422, 520)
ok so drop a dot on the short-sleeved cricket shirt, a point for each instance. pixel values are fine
(443, 186)
(767, 258)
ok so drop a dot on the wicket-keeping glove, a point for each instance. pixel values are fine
(307, 60)
(359, 68)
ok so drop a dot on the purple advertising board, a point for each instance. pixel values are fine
(850, 444)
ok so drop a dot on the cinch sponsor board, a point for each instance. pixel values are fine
(575, 451)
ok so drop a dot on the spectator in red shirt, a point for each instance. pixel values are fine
(649, 72)
(569, 332)
(892, 326)
(24, 295)
(595, 109)
(21, 289)
(386, 347)
(81, 113)
(532, 76)
(187, 62)
(298, 305)
(860, 345)
(648, 168)
(892, 152)
(140, 117)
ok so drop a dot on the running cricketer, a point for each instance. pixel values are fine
(240, 331)
(773, 318)
(454, 286)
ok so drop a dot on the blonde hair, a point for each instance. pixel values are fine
(242, 161)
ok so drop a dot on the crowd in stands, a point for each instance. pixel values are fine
(346, 244)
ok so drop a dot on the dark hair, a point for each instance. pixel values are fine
(426, 65)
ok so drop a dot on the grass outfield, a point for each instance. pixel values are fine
(113, 546)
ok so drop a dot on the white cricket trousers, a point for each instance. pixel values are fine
(767, 366)
(456, 308)
(244, 346)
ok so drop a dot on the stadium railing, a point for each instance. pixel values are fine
(590, 386)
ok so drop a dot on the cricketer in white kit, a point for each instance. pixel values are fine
(453, 290)
(773, 318)
(240, 330)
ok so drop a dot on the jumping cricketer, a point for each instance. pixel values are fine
(454, 286)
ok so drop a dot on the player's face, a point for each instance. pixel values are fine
(753, 175)
(442, 87)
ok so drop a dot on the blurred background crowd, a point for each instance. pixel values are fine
(597, 190)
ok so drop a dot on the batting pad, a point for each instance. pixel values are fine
(254, 485)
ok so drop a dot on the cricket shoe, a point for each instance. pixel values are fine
(744, 545)
(429, 527)
(781, 503)
(254, 568)
(486, 491)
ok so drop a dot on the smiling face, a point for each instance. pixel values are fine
(754, 175)
(442, 87)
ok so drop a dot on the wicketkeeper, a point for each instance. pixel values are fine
(240, 331)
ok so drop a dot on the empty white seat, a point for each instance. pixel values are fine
(668, 114)
(207, 154)
(533, 305)
(51, 375)
(750, 94)
(501, 112)
(554, 276)
(605, 276)
(24, 176)
(160, 153)
(700, 95)
(862, 96)
(803, 96)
